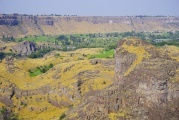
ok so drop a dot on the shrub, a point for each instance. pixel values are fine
(71, 54)
(2, 55)
(38, 68)
(62, 116)
(22, 103)
(80, 58)
(20, 40)
(3, 110)
(91, 57)
(29, 71)
(57, 55)
(50, 65)
(25, 105)
(43, 70)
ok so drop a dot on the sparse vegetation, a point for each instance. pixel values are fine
(62, 116)
(57, 55)
(3, 110)
(7, 114)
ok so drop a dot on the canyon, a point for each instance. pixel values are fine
(139, 82)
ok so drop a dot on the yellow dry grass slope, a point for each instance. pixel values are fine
(173, 51)
(61, 79)
(139, 51)
(8, 46)
(37, 108)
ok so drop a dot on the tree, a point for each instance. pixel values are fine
(11, 38)
(64, 48)
(43, 70)
(61, 37)
(62, 116)
(29, 71)
(50, 65)
(67, 42)
(2, 55)
(3, 37)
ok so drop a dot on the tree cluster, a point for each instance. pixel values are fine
(40, 53)
(8, 38)
(2, 55)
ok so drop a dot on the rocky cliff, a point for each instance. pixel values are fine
(21, 25)
(146, 87)
(25, 48)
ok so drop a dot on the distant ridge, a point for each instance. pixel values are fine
(20, 25)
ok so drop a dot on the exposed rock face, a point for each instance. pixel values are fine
(3, 48)
(9, 20)
(103, 62)
(21, 25)
(146, 87)
(25, 48)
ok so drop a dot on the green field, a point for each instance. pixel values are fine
(46, 38)
(35, 73)
(103, 54)
(38, 39)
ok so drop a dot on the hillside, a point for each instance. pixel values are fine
(146, 86)
(21, 25)
(47, 96)
(141, 82)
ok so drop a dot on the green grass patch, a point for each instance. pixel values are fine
(38, 39)
(35, 73)
(40, 70)
(103, 54)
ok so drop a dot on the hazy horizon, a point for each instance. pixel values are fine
(92, 8)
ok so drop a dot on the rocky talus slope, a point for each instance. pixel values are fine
(146, 87)
(21, 25)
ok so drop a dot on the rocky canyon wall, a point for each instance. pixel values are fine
(21, 25)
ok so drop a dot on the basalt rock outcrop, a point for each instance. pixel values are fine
(9, 20)
(103, 62)
(146, 87)
(25, 48)
(22, 25)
